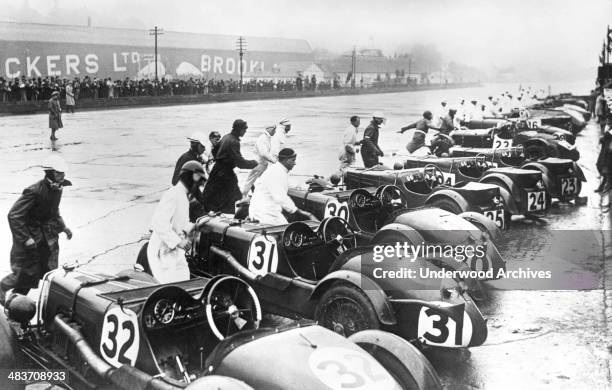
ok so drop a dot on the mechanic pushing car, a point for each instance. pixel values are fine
(35, 224)
(171, 226)
(270, 197)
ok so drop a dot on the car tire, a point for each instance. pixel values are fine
(447, 204)
(346, 310)
(143, 260)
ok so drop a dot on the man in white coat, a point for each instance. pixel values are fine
(263, 150)
(280, 137)
(270, 197)
(171, 227)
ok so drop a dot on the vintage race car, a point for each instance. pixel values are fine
(537, 141)
(425, 187)
(313, 270)
(126, 331)
(562, 177)
(371, 210)
(524, 190)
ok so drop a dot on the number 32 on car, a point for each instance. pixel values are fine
(120, 340)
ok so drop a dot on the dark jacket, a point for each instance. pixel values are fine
(55, 114)
(189, 155)
(221, 191)
(35, 215)
(370, 151)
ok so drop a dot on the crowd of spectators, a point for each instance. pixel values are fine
(41, 88)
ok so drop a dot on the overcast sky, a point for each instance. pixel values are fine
(560, 34)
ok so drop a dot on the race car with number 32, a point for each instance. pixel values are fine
(126, 331)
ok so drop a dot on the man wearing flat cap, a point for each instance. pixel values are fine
(55, 114)
(264, 157)
(270, 197)
(222, 191)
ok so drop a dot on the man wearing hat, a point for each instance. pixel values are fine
(221, 191)
(280, 137)
(55, 114)
(35, 224)
(370, 151)
(270, 197)
(171, 227)
(441, 113)
(349, 147)
(264, 156)
(197, 141)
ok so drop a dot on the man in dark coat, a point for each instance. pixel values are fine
(35, 223)
(604, 160)
(222, 191)
(197, 148)
(370, 151)
(55, 114)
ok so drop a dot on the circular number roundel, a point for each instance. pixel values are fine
(344, 368)
(437, 328)
(263, 255)
(334, 208)
(120, 338)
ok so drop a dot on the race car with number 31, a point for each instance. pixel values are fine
(313, 270)
(126, 331)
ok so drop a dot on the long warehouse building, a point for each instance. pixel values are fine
(39, 50)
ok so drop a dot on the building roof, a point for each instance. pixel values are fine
(37, 32)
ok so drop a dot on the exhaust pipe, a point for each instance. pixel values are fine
(231, 260)
(125, 377)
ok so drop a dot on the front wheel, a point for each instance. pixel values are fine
(346, 310)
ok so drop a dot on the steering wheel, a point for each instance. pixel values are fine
(390, 196)
(337, 235)
(231, 306)
(433, 175)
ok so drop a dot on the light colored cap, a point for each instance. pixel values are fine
(378, 114)
(54, 162)
(285, 122)
(198, 137)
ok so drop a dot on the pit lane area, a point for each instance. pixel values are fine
(121, 162)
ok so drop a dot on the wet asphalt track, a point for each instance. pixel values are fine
(121, 161)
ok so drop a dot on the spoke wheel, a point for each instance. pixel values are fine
(346, 310)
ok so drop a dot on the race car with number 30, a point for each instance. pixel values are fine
(371, 210)
(126, 331)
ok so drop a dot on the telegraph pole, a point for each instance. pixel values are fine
(354, 66)
(241, 46)
(156, 31)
